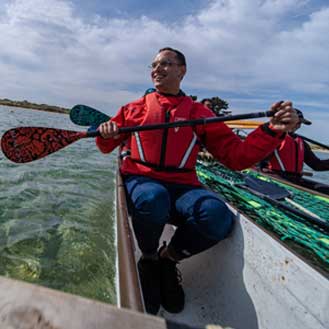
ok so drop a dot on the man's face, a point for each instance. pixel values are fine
(297, 126)
(208, 104)
(167, 72)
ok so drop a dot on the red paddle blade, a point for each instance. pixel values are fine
(26, 144)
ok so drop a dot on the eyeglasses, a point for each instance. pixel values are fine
(163, 64)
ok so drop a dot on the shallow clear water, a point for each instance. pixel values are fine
(57, 213)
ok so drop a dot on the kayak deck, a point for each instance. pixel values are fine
(308, 240)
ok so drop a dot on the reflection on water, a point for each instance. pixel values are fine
(56, 214)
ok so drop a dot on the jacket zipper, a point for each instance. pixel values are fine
(164, 140)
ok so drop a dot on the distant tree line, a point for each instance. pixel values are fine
(29, 105)
(219, 105)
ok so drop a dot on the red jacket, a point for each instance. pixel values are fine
(217, 137)
(154, 148)
(289, 156)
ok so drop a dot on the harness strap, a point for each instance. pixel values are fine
(159, 168)
(277, 156)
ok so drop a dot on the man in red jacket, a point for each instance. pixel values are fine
(289, 157)
(160, 176)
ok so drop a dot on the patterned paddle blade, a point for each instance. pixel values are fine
(26, 144)
(83, 115)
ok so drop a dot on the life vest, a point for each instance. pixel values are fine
(125, 151)
(150, 147)
(289, 156)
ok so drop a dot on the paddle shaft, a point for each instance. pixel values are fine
(314, 142)
(297, 205)
(186, 123)
(87, 116)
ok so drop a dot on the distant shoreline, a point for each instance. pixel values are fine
(28, 105)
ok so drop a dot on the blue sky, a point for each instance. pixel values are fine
(249, 52)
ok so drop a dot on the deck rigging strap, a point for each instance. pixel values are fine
(274, 193)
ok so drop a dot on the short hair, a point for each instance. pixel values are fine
(180, 56)
(205, 100)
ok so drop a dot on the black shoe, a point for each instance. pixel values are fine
(172, 293)
(149, 275)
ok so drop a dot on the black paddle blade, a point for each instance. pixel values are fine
(314, 142)
(26, 144)
(267, 189)
(83, 115)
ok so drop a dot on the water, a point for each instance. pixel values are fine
(57, 214)
(320, 176)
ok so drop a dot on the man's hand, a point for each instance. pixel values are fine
(285, 118)
(109, 129)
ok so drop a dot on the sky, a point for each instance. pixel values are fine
(250, 53)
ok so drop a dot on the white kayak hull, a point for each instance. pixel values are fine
(250, 280)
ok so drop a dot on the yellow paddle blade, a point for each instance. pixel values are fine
(244, 124)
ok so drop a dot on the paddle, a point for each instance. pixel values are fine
(26, 144)
(247, 124)
(314, 142)
(84, 115)
(274, 193)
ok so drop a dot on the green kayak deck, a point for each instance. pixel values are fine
(307, 239)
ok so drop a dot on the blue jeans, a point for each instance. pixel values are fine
(204, 219)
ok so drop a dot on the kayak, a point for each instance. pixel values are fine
(254, 278)
(271, 272)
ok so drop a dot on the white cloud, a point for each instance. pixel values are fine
(300, 54)
(258, 49)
